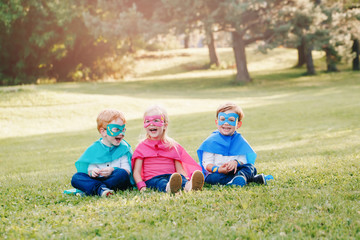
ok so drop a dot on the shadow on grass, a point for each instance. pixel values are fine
(280, 75)
(192, 87)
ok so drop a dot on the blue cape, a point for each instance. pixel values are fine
(99, 153)
(227, 146)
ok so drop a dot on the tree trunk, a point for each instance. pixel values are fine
(301, 55)
(214, 60)
(309, 61)
(356, 50)
(331, 59)
(186, 40)
(242, 75)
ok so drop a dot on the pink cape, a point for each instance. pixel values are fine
(156, 148)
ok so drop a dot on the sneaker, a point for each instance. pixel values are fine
(238, 181)
(259, 179)
(196, 182)
(105, 192)
(174, 184)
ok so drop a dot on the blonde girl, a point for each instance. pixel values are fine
(159, 162)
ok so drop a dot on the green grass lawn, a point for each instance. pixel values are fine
(305, 130)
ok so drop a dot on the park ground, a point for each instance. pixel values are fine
(305, 130)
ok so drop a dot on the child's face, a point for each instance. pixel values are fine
(154, 125)
(112, 140)
(228, 122)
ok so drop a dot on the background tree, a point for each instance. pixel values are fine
(47, 39)
(248, 22)
(307, 31)
(354, 23)
(30, 33)
(189, 15)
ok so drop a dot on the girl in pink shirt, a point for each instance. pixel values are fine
(160, 162)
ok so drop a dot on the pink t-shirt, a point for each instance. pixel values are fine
(159, 159)
(154, 166)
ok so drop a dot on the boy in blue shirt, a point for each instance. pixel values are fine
(225, 156)
(105, 165)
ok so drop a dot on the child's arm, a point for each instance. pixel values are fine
(209, 163)
(220, 169)
(179, 169)
(124, 164)
(137, 175)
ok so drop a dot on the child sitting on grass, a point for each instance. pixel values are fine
(105, 165)
(225, 156)
(159, 162)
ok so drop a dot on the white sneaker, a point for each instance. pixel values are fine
(174, 184)
(196, 182)
(105, 192)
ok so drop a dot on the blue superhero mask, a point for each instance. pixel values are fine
(230, 118)
(114, 130)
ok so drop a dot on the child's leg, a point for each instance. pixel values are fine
(158, 182)
(184, 181)
(85, 183)
(247, 170)
(219, 178)
(196, 182)
(118, 180)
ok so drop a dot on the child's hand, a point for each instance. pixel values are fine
(105, 172)
(95, 173)
(232, 166)
(223, 168)
(142, 189)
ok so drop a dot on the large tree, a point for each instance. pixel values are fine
(248, 22)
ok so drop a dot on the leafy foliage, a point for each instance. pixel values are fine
(88, 40)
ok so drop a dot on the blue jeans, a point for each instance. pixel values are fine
(118, 180)
(159, 182)
(247, 170)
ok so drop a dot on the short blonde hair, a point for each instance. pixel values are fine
(230, 106)
(107, 116)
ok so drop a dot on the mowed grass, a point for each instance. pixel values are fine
(305, 130)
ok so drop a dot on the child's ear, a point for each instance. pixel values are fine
(103, 132)
(216, 122)
(239, 124)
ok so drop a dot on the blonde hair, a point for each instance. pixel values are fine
(107, 116)
(164, 137)
(232, 107)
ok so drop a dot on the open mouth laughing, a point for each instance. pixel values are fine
(153, 130)
(119, 138)
(225, 129)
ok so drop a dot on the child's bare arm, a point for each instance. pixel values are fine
(137, 175)
(221, 169)
(179, 169)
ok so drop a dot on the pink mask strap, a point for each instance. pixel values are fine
(151, 120)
